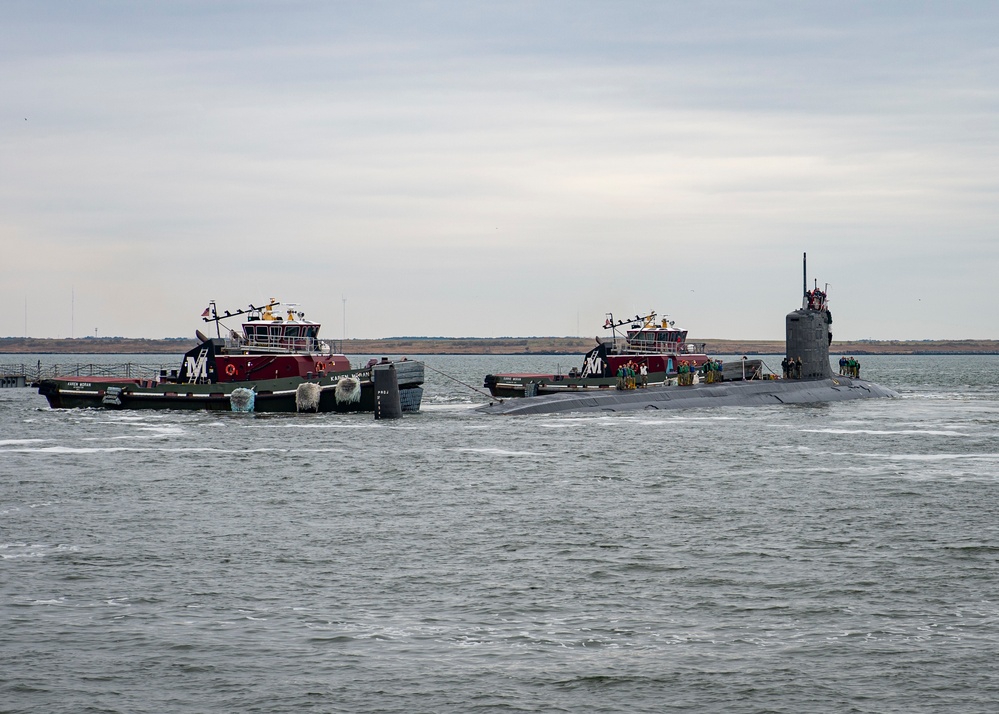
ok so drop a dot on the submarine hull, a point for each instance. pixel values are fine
(699, 396)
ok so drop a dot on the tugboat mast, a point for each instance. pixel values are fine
(216, 318)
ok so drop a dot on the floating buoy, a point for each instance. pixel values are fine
(307, 397)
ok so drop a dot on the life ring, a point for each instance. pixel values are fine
(230, 369)
(320, 367)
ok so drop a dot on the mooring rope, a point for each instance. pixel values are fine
(464, 384)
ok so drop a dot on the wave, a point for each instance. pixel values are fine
(112, 449)
(933, 457)
(373, 424)
(448, 407)
(495, 451)
(886, 432)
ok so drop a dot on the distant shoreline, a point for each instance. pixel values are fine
(495, 346)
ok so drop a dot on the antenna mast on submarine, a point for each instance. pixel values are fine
(804, 280)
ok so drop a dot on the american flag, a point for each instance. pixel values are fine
(206, 312)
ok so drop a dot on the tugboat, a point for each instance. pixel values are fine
(657, 347)
(277, 364)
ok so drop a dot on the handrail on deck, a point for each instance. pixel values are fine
(126, 370)
(311, 345)
(684, 348)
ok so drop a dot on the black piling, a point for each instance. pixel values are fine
(387, 402)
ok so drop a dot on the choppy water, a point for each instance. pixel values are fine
(842, 557)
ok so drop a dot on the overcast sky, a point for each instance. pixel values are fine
(499, 168)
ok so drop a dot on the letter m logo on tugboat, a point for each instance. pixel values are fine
(196, 363)
(196, 370)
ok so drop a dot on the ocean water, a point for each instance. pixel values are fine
(827, 558)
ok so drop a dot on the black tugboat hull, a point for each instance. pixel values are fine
(279, 395)
(59, 398)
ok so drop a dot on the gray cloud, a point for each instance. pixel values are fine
(473, 170)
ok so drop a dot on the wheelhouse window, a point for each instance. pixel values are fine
(255, 333)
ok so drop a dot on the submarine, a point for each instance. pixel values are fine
(807, 338)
